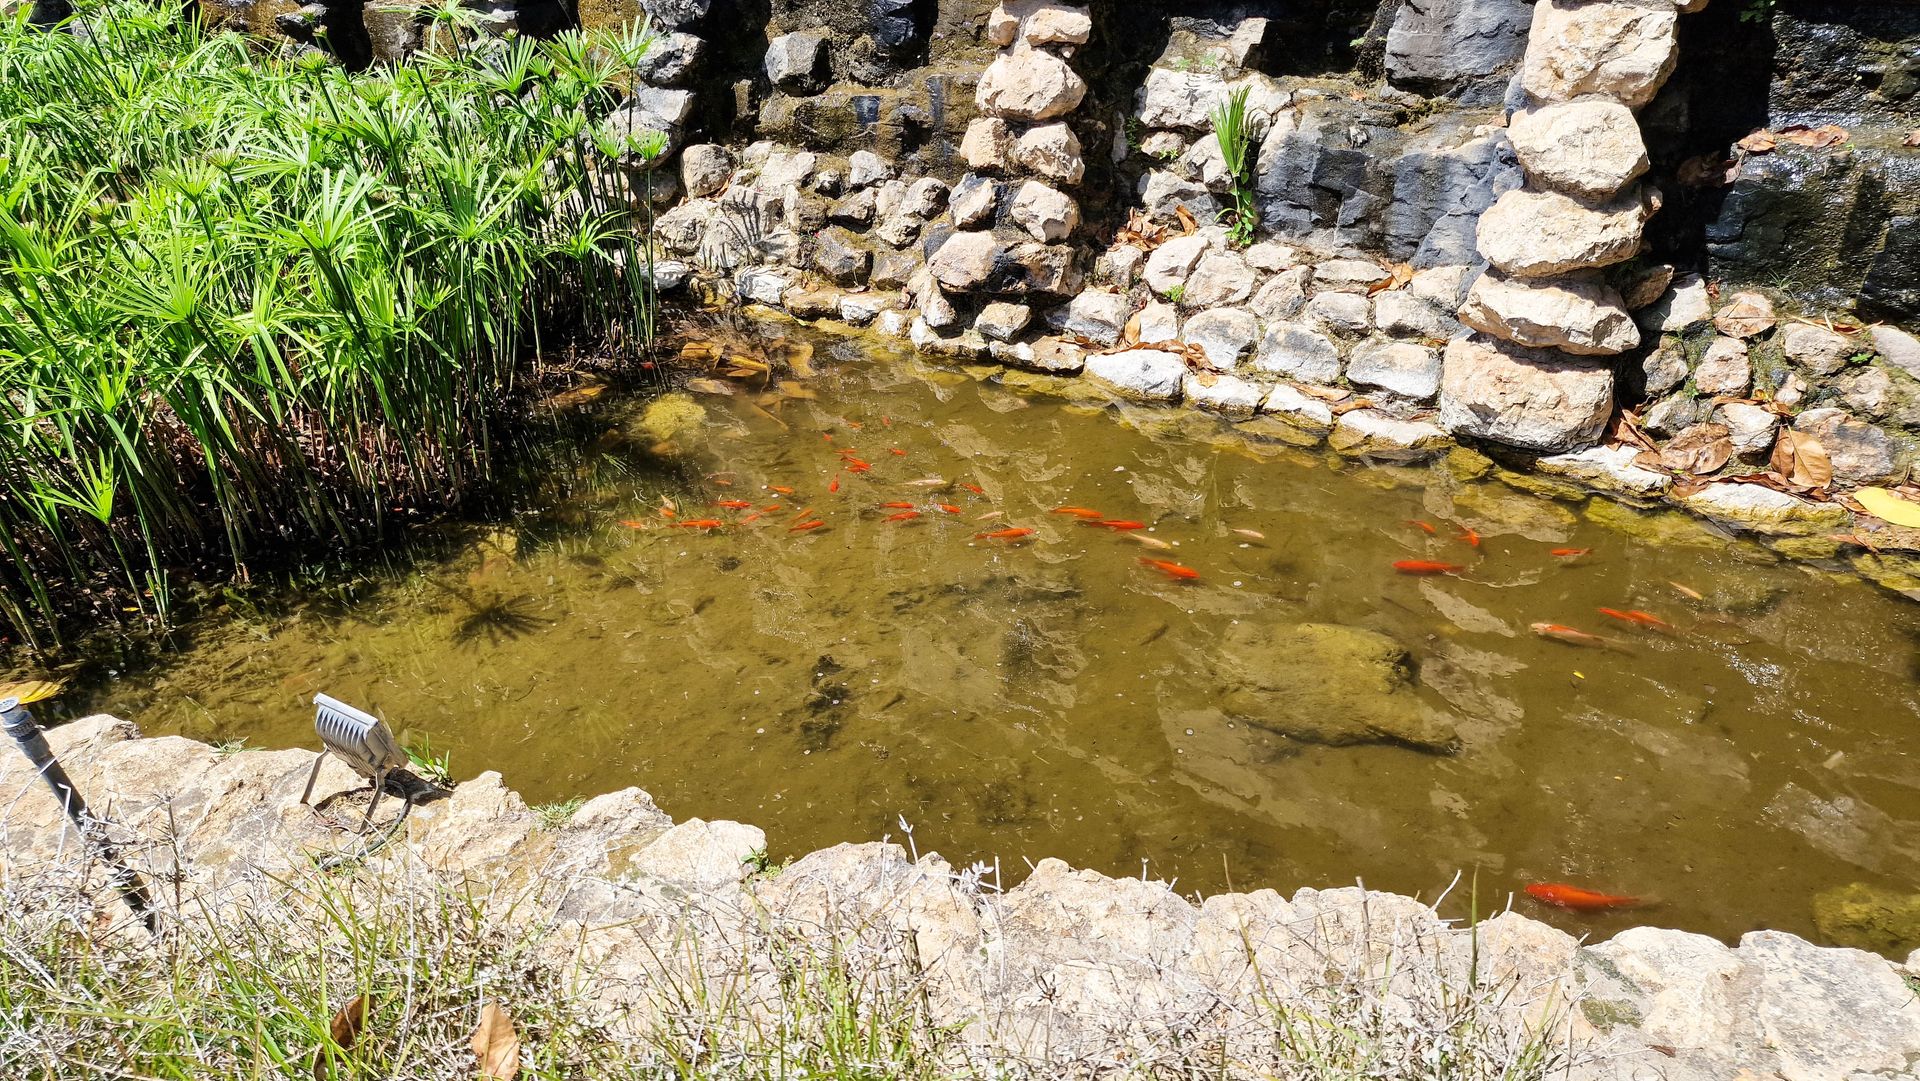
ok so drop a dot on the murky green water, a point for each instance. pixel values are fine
(1056, 698)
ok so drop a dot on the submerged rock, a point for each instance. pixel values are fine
(1328, 684)
(1869, 918)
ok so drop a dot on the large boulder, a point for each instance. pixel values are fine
(1591, 148)
(1404, 368)
(1623, 51)
(1581, 315)
(965, 260)
(1536, 234)
(1044, 212)
(1149, 375)
(1534, 398)
(1328, 684)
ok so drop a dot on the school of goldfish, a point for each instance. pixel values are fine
(898, 512)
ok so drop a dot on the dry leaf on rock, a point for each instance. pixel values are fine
(343, 1033)
(1912, 139)
(1700, 449)
(1801, 460)
(1187, 222)
(1760, 142)
(1819, 138)
(1888, 507)
(1398, 275)
(1626, 430)
(496, 1045)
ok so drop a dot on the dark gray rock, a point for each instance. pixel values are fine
(671, 60)
(837, 254)
(674, 14)
(1459, 48)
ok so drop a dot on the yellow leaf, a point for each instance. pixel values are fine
(29, 691)
(496, 1045)
(1888, 507)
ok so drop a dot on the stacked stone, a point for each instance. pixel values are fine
(1534, 375)
(1010, 218)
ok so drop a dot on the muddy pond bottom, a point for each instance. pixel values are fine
(818, 618)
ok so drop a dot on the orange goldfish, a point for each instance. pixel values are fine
(834, 484)
(1569, 553)
(1078, 512)
(700, 523)
(732, 504)
(1120, 525)
(1004, 534)
(897, 452)
(1637, 617)
(781, 488)
(948, 507)
(903, 516)
(886, 422)
(1424, 527)
(974, 488)
(1168, 567)
(1564, 896)
(803, 513)
(899, 504)
(803, 526)
(855, 465)
(769, 508)
(632, 524)
(1467, 534)
(1426, 566)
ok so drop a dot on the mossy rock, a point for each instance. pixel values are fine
(670, 417)
(1661, 527)
(1465, 463)
(1269, 428)
(1536, 484)
(1328, 684)
(1869, 918)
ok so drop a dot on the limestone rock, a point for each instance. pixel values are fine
(1228, 395)
(1002, 320)
(1724, 369)
(704, 169)
(854, 208)
(1327, 684)
(1370, 433)
(1348, 275)
(1043, 22)
(1097, 316)
(1409, 370)
(1860, 452)
(1033, 267)
(1169, 264)
(1350, 313)
(1749, 427)
(1029, 84)
(1610, 469)
(1764, 510)
(765, 285)
(1156, 322)
(965, 261)
(1817, 349)
(1684, 307)
(1163, 192)
(1271, 255)
(811, 301)
(1534, 234)
(1582, 315)
(987, 144)
(866, 168)
(1590, 148)
(1897, 347)
(1405, 313)
(1223, 334)
(1142, 374)
(1058, 356)
(1829, 1013)
(972, 200)
(1185, 99)
(839, 255)
(1301, 410)
(1293, 350)
(795, 62)
(891, 269)
(859, 309)
(1868, 391)
(1283, 295)
(1663, 369)
(1622, 51)
(652, 108)
(1672, 414)
(670, 60)
(1218, 278)
(1745, 315)
(1046, 214)
(1532, 398)
(1050, 151)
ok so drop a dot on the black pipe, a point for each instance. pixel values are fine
(19, 724)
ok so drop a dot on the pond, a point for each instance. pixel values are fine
(1292, 712)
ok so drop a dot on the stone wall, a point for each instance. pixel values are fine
(1067, 971)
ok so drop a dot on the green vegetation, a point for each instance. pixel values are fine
(552, 816)
(1232, 127)
(1177, 293)
(249, 300)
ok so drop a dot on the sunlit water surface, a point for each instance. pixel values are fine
(1057, 698)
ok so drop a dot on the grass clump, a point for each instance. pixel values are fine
(1233, 127)
(250, 299)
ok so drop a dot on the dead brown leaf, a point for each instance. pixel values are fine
(1707, 171)
(496, 1045)
(1801, 461)
(1325, 394)
(1398, 275)
(342, 1033)
(1820, 138)
(1187, 223)
(1626, 429)
(1341, 409)
(1912, 139)
(1760, 142)
(1699, 450)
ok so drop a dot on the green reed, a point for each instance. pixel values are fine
(249, 300)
